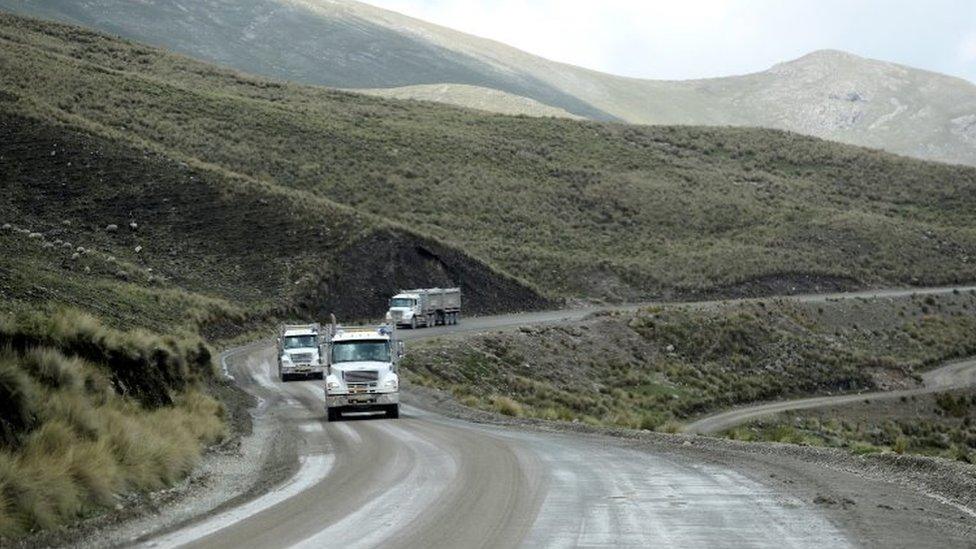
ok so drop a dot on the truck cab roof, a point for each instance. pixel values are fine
(381, 333)
(300, 332)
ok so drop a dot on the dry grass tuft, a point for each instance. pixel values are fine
(72, 440)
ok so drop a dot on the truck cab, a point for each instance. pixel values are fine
(363, 371)
(406, 309)
(300, 352)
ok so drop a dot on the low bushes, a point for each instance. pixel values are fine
(140, 364)
(81, 421)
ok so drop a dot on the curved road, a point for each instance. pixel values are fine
(954, 375)
(428, 481)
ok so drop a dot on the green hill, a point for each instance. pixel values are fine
(349, 44)
(156, 192)
(281, 180)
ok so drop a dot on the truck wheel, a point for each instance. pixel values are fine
(318, 375)
(393, 411)
(453, 319)
(413, 323)
(431, 321)
(333, 414)
(285, 378)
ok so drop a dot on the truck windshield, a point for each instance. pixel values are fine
(401, 302)
(299, 342)
(361, 351)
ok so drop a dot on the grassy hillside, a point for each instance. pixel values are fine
(322, 43)
(574, 208)
(941, 424)
(473, 97)
(88, 413)
(141, 238)
(663, 365)
(350, 44)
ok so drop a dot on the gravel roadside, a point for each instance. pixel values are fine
(882, 500)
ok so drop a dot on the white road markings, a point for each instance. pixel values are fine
(349, 432)
(431, 470)
(313, 470)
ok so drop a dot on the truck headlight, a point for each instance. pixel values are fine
(332, 385)
(392, 383)
(285, 358)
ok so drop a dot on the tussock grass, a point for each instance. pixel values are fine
(140, 364)
(942, 425)
(660, 367)
(74, 438)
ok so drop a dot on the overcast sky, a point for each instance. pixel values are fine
(680, 39)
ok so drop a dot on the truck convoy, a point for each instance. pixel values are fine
(430, 307)
(300, 351)
(363, 370)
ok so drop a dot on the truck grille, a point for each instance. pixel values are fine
(363, 376)
(301, 358)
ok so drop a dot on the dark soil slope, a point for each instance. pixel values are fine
(168, 224)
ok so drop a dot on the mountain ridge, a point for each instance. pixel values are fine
(352, 45)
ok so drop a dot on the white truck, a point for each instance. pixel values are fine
(362, 367)
(300, 351)
(429, 307)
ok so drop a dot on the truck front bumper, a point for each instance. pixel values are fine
(363, 400)
(302, 369)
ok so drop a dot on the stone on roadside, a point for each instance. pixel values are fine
(138, 249)
(112, 228)
(35, 235)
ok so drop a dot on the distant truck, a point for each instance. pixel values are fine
(430, 307)
(363, 364)
(300, 351)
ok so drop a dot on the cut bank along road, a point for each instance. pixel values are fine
(429, 481)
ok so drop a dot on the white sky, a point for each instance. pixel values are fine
(680, 39)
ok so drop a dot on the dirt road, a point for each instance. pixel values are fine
(955, 375)
(429, 481)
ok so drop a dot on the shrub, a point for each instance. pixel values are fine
(139, 364)
(17, 401)
(506, 406)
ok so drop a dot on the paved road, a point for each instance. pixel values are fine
(954, 375)
(429, 481)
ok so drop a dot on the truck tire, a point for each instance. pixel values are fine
(333, 414)
(413, 323)
(318, 375)
(393, 411)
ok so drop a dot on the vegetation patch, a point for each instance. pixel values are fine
(574, 208)
(941, 425)
(660, 366)
(88, 413)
